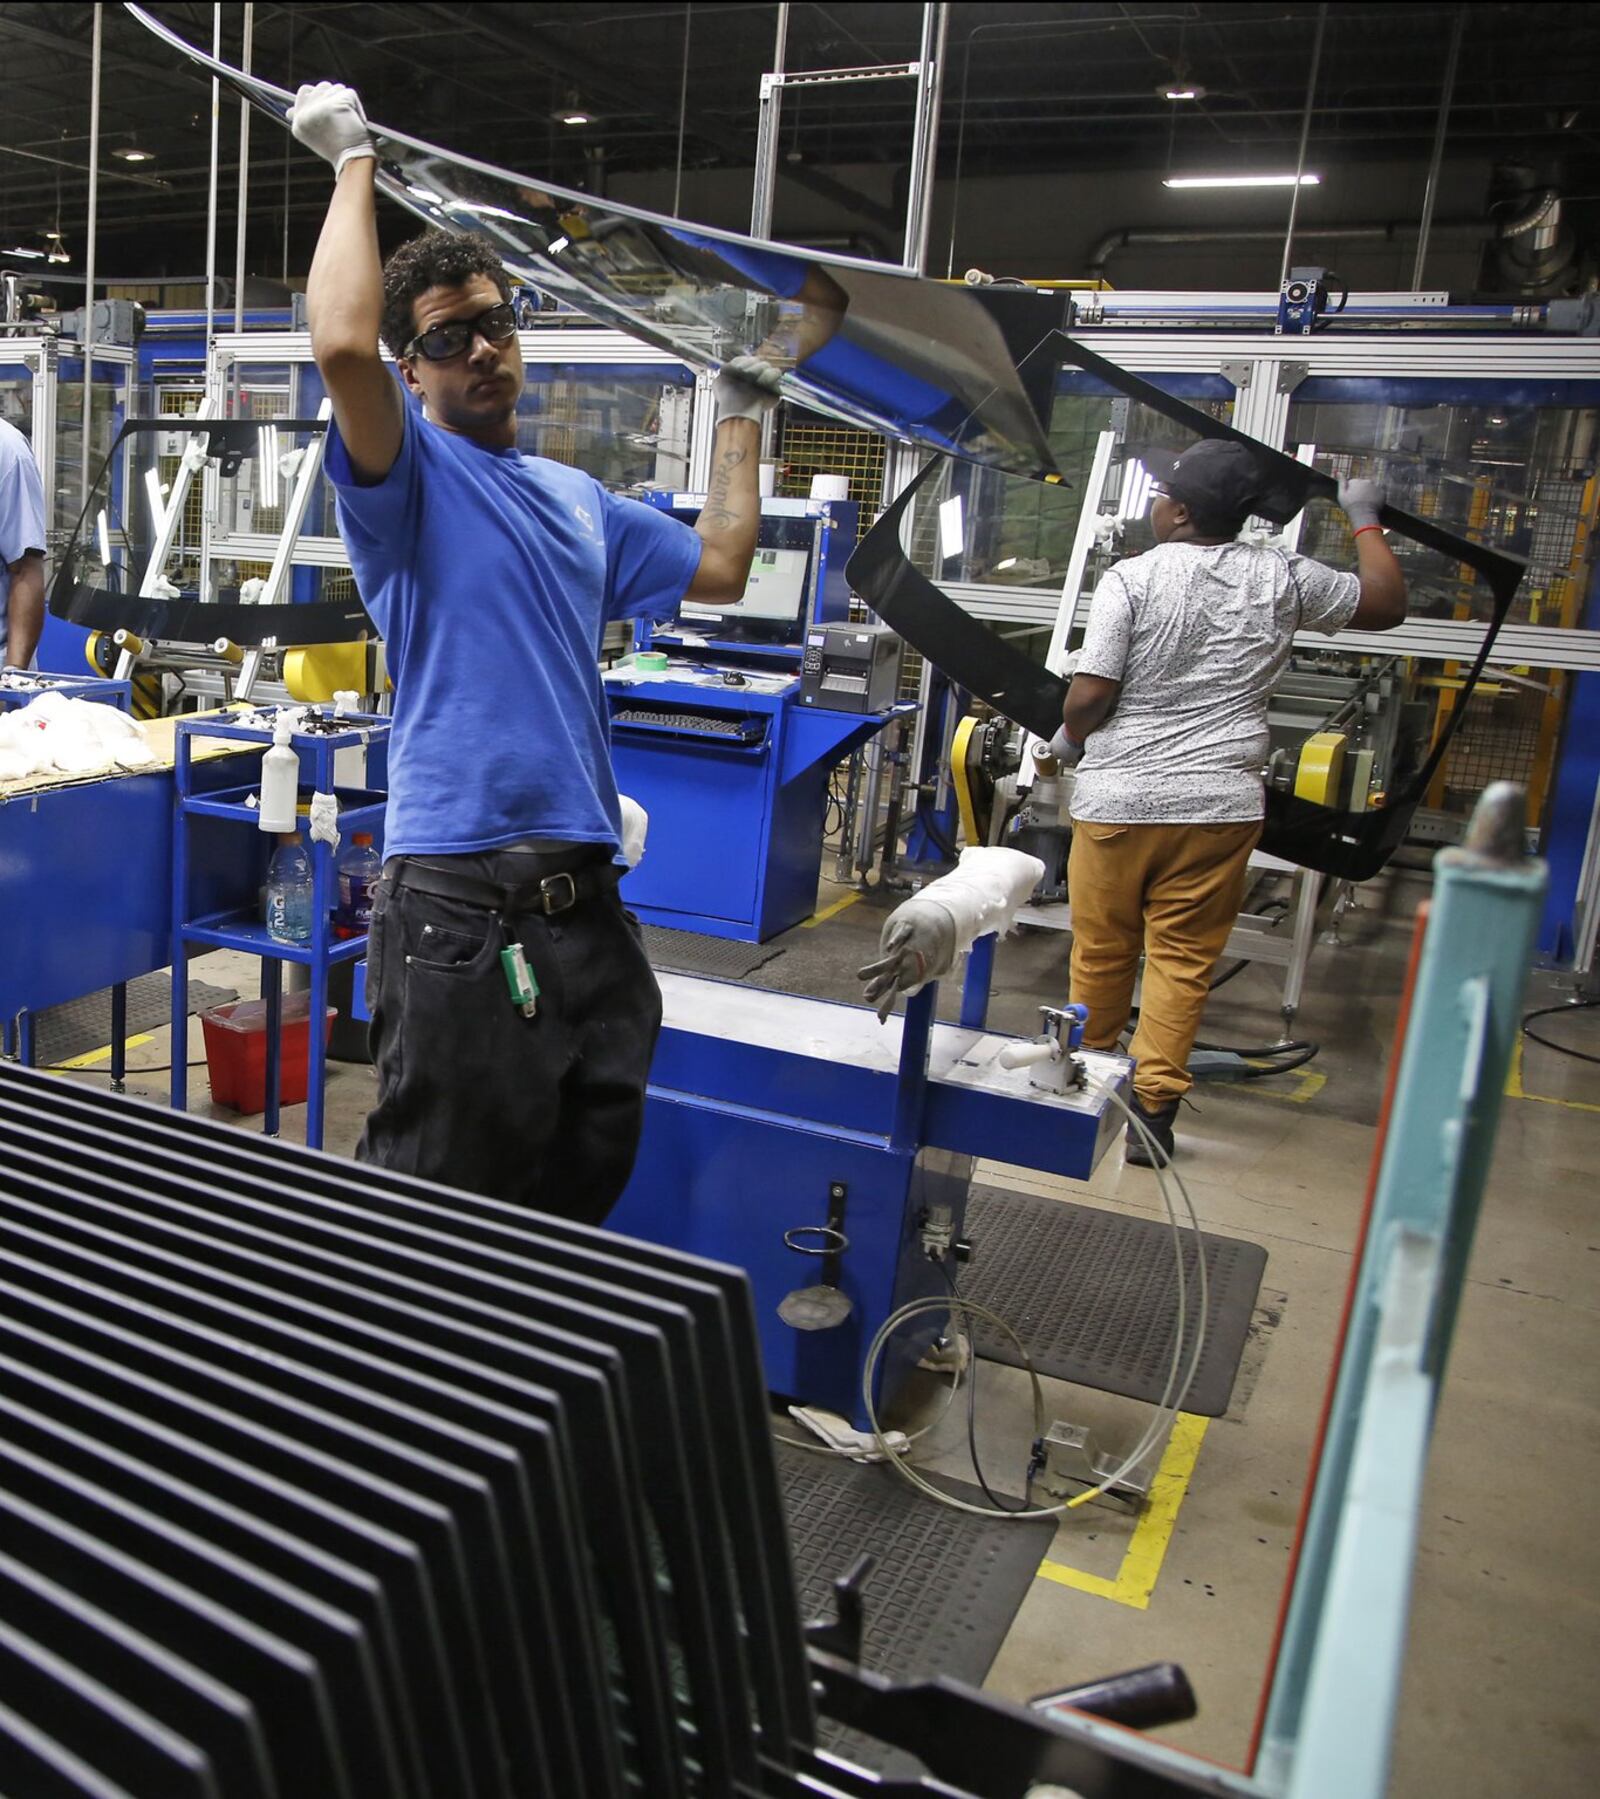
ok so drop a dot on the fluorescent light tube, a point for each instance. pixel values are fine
(1241, 180)
(267, 465)
(158, 504)
(105, 540)
(952, 529)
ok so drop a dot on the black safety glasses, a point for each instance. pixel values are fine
(439, 343)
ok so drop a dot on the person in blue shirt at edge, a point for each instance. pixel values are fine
(21, 549)
(491, 577)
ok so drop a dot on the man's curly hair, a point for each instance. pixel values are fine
(436, 259)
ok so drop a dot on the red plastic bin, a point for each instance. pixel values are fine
(236, 1051)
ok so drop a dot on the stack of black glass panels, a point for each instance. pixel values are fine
(319, 1481)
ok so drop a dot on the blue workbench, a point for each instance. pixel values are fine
(736, 822)
(806, 1142)
(86, 887)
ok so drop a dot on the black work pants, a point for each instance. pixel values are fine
(543, 1111)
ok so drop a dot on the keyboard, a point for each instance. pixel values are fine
(690, 724)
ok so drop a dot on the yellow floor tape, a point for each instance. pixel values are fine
(1307, 1082)
(89, 1059)
(828, 912)
(1147, 1548)
(1516, 1090)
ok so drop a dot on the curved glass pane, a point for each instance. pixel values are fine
(140, 559)
(933, 364)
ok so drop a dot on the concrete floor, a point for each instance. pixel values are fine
(1506, 1617)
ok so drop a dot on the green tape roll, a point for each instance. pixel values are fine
(651, 661)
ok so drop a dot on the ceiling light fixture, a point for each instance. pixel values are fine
(575, 117)
(1180, 90)
(1241, 180)
(952, 530)
(55, 249)
(22, 250)
(132, 153)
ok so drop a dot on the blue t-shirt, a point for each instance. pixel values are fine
(491, 576)
(21, 512)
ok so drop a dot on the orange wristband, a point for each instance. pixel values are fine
(1357, 532)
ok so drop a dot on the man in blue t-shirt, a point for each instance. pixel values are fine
(513, 1010)
(21, 549)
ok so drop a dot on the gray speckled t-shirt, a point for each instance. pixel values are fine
(1196, 634)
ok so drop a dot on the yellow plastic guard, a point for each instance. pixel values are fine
(90, 644)
(1316, 775)
(320, 670)
(958, 774)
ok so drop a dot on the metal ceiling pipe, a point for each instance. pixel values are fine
(1141, 236)
(766, 169)
(1305, 138)
(88, 260)
(1430, 193)
(244, 171)
(925, 134)
(211, 196)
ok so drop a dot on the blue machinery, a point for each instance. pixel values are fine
(717, 748)
(798, 1139)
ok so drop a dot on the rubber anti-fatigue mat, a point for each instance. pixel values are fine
(943, 1589)
(1093, 1295)
(78, 1026)
(944, 1586)
(688, 952)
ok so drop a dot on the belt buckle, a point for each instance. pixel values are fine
(549, 887)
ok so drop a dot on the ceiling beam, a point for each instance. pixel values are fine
(113, 64)
(633, 92)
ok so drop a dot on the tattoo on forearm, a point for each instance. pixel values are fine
(717, 513)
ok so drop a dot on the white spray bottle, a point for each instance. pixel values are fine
(280, 782)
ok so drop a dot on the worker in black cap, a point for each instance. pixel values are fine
(1169, 705)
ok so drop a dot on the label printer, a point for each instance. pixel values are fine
(850, 668)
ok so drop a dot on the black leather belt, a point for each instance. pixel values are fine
(550, 894)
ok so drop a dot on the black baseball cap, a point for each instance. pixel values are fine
(1222, 483)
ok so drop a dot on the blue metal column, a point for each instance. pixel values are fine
(182, 783)
(1570, 807)
(975, 987)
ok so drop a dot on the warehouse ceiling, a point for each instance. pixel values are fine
(672, 88)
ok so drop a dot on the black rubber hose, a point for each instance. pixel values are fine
(1561, 1049)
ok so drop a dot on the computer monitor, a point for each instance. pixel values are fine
(774, 594)
(772, 608)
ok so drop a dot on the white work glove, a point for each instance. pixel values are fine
(328, 117)
(918, 945)
(1362, 500)
(747, 388)
(1064, 750)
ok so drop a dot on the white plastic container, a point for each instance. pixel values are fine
(280, 782)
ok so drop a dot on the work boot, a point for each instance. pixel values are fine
(1158, 1121)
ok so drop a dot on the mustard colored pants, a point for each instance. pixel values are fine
(1170, 893)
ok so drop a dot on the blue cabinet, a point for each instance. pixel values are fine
(735, 782)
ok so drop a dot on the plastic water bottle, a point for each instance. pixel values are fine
(360, 870)
(289, 891)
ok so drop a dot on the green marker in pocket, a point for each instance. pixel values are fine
(524, 989)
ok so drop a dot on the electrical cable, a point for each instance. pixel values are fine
(127, 1073)
(1561, 1049)
(915, 1436)
(1173, 1393)
(972, 1402)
